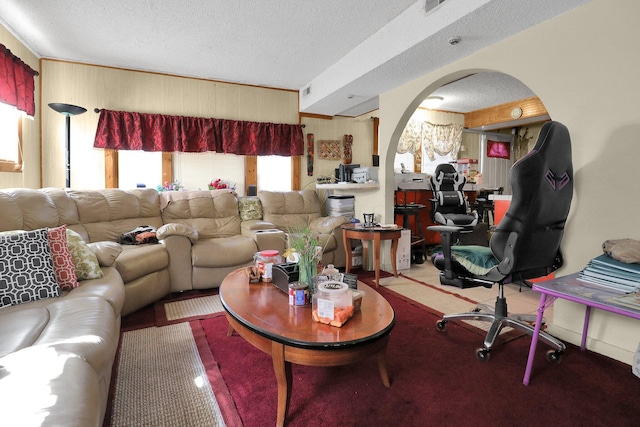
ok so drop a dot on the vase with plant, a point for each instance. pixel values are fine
(305, 247)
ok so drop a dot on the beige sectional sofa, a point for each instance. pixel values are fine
(291, 211)
(57, 353)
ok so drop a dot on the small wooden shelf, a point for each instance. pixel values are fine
(349, 186)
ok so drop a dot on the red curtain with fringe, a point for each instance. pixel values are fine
(122, 130)
(16, 82)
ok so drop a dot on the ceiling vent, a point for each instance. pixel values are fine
(306, 91)
(432, 4)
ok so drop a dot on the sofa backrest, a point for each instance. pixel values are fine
(212, 213)
(97, 215)
(290, 211)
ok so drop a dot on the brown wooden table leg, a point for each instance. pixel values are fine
(347, 250)
(382, 367)
(376, 257)
(284, 378)
(394, 250)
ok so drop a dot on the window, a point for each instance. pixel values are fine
(10, 139)
(274, 173)
(139, 169)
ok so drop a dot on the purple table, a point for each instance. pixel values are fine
(575, 290)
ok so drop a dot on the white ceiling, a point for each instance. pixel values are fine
(345, 52)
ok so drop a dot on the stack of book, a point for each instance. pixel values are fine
(613, 274)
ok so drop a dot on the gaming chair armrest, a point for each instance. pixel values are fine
(446, 237)
(445, 228)
(508, 260)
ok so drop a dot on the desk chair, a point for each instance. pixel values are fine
(484, 205)
(526, 243)
(449, 205)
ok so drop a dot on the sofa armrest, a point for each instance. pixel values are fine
(180, 268)
(106, 252)
(327, 224)
(173, 229)
(255, 224)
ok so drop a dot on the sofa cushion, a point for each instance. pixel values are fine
(223, 252)
(21, 328)
(26, 268)
(137, 261)
(290, 211)
(86, 327)
(210, 213)
(41, 387)
(63, 266)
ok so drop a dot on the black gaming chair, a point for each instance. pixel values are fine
(526, 243)
(449, 205)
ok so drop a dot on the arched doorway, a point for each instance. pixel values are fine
(496, 119)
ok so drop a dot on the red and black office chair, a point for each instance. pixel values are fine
(526, 243)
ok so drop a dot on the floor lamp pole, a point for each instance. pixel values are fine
(67, 110)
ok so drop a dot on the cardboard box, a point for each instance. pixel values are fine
(403, 255)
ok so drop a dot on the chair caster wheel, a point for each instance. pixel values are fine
(554, 356)
(483, 354)
(441, 325)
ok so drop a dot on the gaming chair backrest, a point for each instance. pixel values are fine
(542, 187)
(447, 185)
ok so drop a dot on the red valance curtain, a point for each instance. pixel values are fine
(16, 82)
(122, 130)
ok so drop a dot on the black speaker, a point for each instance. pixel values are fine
(375, 160)
(252, 190)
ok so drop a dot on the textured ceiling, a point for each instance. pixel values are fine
(345, 53)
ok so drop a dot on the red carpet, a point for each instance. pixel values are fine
(436, 380)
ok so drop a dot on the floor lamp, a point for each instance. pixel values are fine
(67, 110)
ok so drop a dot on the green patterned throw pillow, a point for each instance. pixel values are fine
(250, 208)
(86, 262)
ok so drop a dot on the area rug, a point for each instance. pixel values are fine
(435, 380)
(193, 308)
(164, 379)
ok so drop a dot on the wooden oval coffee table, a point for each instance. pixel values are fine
(261, 314)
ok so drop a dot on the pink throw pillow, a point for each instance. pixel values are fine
(63, 266)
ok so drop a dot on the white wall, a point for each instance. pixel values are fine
(583, 66)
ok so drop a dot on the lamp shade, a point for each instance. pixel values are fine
(67, 109)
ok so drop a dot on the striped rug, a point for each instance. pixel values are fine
(192, 308)
(151, 386)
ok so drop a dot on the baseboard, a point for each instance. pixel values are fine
(620, 354)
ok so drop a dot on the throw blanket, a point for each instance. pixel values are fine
(625, 250)
(139, 236)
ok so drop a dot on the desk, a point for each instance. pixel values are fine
(575, 290)
(260, 313)
(376, 234)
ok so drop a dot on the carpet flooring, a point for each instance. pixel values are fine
(436, 379)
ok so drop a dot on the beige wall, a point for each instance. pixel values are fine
(101, 87)
(30, 176)
(361, 128)
(583, 66)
